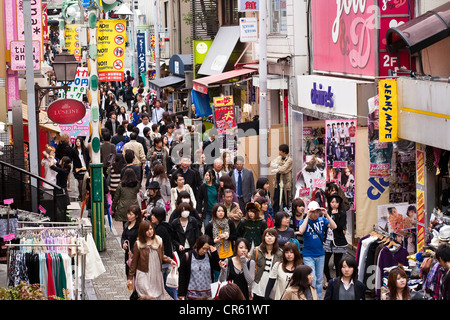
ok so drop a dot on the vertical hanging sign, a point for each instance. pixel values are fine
(142, 64)
(36, 22)
(111, 50)
(388, 110)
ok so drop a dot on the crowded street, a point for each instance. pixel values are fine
(244, 152)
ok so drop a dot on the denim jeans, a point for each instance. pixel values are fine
(171, 291)
(317, 264)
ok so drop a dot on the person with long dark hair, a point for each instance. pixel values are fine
(265, 256)
(335, 242)
(300, 286)
(346, 286)
(207, 196)
(239, 268)
(225, 183)
(184, 197)
(186, 229)
(80, 158)
(125, 195)
(196, 272)
(282, 271)
(62, 196)
(154, 199)
(130, 232)
(114, 173)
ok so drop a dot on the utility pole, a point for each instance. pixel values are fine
(263, 130)
(133, 26)
(33, 128)
(96, 167)
(157, 49)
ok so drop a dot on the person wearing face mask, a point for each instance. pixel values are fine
(186, 229)
(313, 228)
(184, 197)
(239, 268)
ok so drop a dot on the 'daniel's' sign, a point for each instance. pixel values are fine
(388, 110)
(66, 111)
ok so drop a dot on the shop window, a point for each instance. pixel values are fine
(278, 17)
(230, 14)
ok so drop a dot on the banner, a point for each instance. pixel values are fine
(340, 140)
(72, 40)
(36, 22)
(142, 64)
(371, 192)
(78, 87)
(225, 119)
(18, 61)
(111, 49)
(388, 110)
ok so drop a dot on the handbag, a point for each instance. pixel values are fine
(130, 254)
(215, 288)
(420, 295)
(172, 278)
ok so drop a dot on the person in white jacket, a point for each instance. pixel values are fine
(180, 186)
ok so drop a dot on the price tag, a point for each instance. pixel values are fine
(42, 209)
(8, 201)
(9, 237)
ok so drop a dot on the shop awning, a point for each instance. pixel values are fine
(201, 85)
(420, 32)
(220, 51)
(165, 82)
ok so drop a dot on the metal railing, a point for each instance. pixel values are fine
(27, 191)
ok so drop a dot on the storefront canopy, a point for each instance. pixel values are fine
(420, 32)
(165, 82)
(220, 51)
(201, 85)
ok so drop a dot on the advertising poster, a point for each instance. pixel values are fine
(111, 38)
(380, 159)
(224, 114)
(72, 40)
(400, 221)
(340, 155)
(36, 22)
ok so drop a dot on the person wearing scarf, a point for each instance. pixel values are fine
(222, 230)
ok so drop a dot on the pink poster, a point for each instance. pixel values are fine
(347, 40)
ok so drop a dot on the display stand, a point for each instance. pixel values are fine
(79, 259)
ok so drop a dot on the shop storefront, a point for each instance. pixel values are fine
(324, 131)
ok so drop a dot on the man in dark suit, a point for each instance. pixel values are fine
(243, 180)
(191, 176)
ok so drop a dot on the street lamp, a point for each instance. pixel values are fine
(65, 66)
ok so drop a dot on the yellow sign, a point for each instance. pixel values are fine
(72, 40)
(111, 38)
(420, 167)
(223, 101)
(388, 110)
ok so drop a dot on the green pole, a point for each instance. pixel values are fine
(96, 167)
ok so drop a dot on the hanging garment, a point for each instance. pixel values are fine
(389, 257)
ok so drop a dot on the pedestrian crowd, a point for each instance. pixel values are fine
(192, 222)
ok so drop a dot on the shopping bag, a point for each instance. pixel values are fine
(172, 278)
(216, 286)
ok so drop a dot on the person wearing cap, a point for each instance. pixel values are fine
(252, 226)
(155, 198)
(313, 228)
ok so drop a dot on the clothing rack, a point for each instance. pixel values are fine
(79, 228)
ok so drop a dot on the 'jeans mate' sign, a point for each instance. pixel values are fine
(388, 110)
